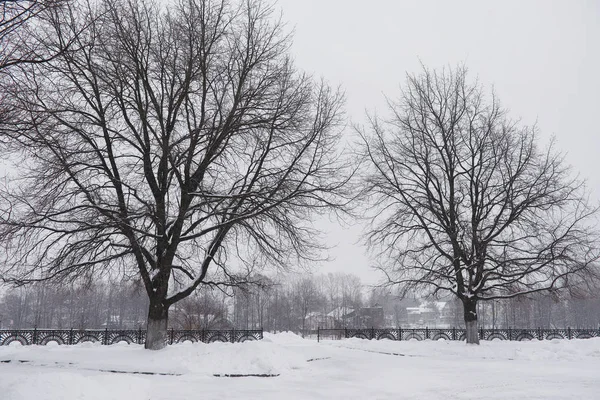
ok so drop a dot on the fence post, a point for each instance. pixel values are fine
(71, 336)
(345, 333)
(569, 332)
(318, 334)
(481, 334)
(171, 336)
(399, 333)
(453, 333)
(509, 333)
(372, 332)
(139, 335)
(426, 332)
(232, 335)
(34, 339)
(105, 336)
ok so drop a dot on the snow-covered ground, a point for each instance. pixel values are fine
(346, 369)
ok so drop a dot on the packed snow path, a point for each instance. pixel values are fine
(347, 369)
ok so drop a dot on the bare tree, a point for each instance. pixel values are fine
(16, 15)
(305, 299)
(201, 311)
(465, 200)
(16, 31)
(176, 145)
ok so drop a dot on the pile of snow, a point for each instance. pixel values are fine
(283, 338)
(535, 350)
(254, 357)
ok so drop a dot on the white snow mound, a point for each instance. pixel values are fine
(283, 338)
(252, 357)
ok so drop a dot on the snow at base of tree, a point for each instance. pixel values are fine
(352, 368)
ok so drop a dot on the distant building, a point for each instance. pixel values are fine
(339, 312)
(366, 317)
(345, 317)
(434, 314)
(317, 319)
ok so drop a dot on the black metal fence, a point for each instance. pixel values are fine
(453, 334)
(111, 336)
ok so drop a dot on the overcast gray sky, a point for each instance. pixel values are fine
(542, 57)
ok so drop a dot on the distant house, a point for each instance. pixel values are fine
(345, 317)
(182, 319)
(317, 319)
(365, 317)
(339, 312)
(431, 314)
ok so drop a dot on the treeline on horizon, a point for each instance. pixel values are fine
(287, 302)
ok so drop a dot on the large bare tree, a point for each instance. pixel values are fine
(174, 144)
(466, 202)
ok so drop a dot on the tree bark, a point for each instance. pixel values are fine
(156, 328)
(470, 310)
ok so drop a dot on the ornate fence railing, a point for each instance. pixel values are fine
(111, 336)
(455, 333)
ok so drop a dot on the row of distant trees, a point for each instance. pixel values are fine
(276, 304)
(179, 146)
(284, 303)
(534, 311)
(114, 305)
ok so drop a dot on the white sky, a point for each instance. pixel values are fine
(542, 57)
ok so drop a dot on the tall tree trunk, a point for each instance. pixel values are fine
(156, 328)
(470, 310)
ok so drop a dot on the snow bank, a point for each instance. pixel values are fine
(283, 338)
(268, 356)
(279, 354)
(538, 350)
(256, 357)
